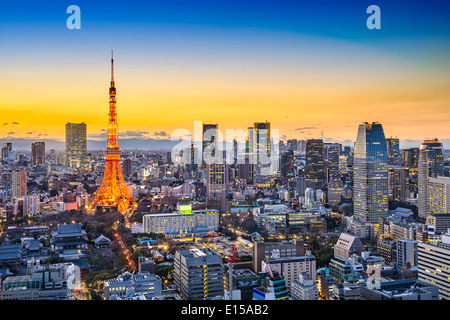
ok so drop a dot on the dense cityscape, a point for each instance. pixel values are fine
(368, 221)
(209, 158)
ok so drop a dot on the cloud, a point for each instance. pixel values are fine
(7, 123)
(135, 133)
(160, 134)
(11, 132)
(305, 128)
(29, 132)
(102, 135)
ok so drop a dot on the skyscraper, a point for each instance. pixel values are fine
(287, 164)
(127, 166)
(410, 157)
(315, 169)
(431, 164)
(398, 183)
(6, 150)
(210, 136)
(370, 165)
(260, 151)
(393, 150)
(331, 154)
(37, 154)
(292, 144)
(75, 144)
(19, 184)
(217, 179)
(113, 190)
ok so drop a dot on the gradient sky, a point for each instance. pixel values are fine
(311, 68)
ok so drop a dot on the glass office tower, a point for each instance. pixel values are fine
(370, 197)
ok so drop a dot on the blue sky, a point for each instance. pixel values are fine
(184, 51)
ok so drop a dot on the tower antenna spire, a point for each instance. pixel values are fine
(112, 65)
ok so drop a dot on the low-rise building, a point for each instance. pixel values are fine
(175, 224)
(405, 289)
(304, 288)
(127, 286)
(53, 282)
(347, 245)
(291, 267)
(344, 269)
(69, 242)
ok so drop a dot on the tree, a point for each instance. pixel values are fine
(249, 225)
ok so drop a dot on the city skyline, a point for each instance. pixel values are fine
(226, 153)
(311, 79)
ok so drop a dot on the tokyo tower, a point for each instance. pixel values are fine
(113, 190)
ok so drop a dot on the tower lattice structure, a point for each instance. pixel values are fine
(113, 189)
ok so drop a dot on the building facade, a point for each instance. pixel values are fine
(370, 165)
(76, 144)
(199, 274)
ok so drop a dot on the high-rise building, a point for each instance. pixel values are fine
(431, 164)
(217, 178)
(191, 157)
(393, 150)
(292, 144)
(287, 164)
(19, 184)
(438, 198)
(370, 165)
(52, 157)
(398, 183)
(113, 191)
(410, 157)
(410, 160)
(259, 147)
(210, 136)
(393, 146)
(315, 169)
(331, 155)
(6, 150)
(434, 265)
(37, 154)
(198, 274)
(127, 166)
(76, 144)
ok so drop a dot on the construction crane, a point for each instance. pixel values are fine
(233, 257)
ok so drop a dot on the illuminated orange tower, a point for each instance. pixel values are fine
(113, 190)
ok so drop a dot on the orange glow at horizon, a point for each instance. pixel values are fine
(302, 100)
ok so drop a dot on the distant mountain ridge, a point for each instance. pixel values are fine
(22, 144)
